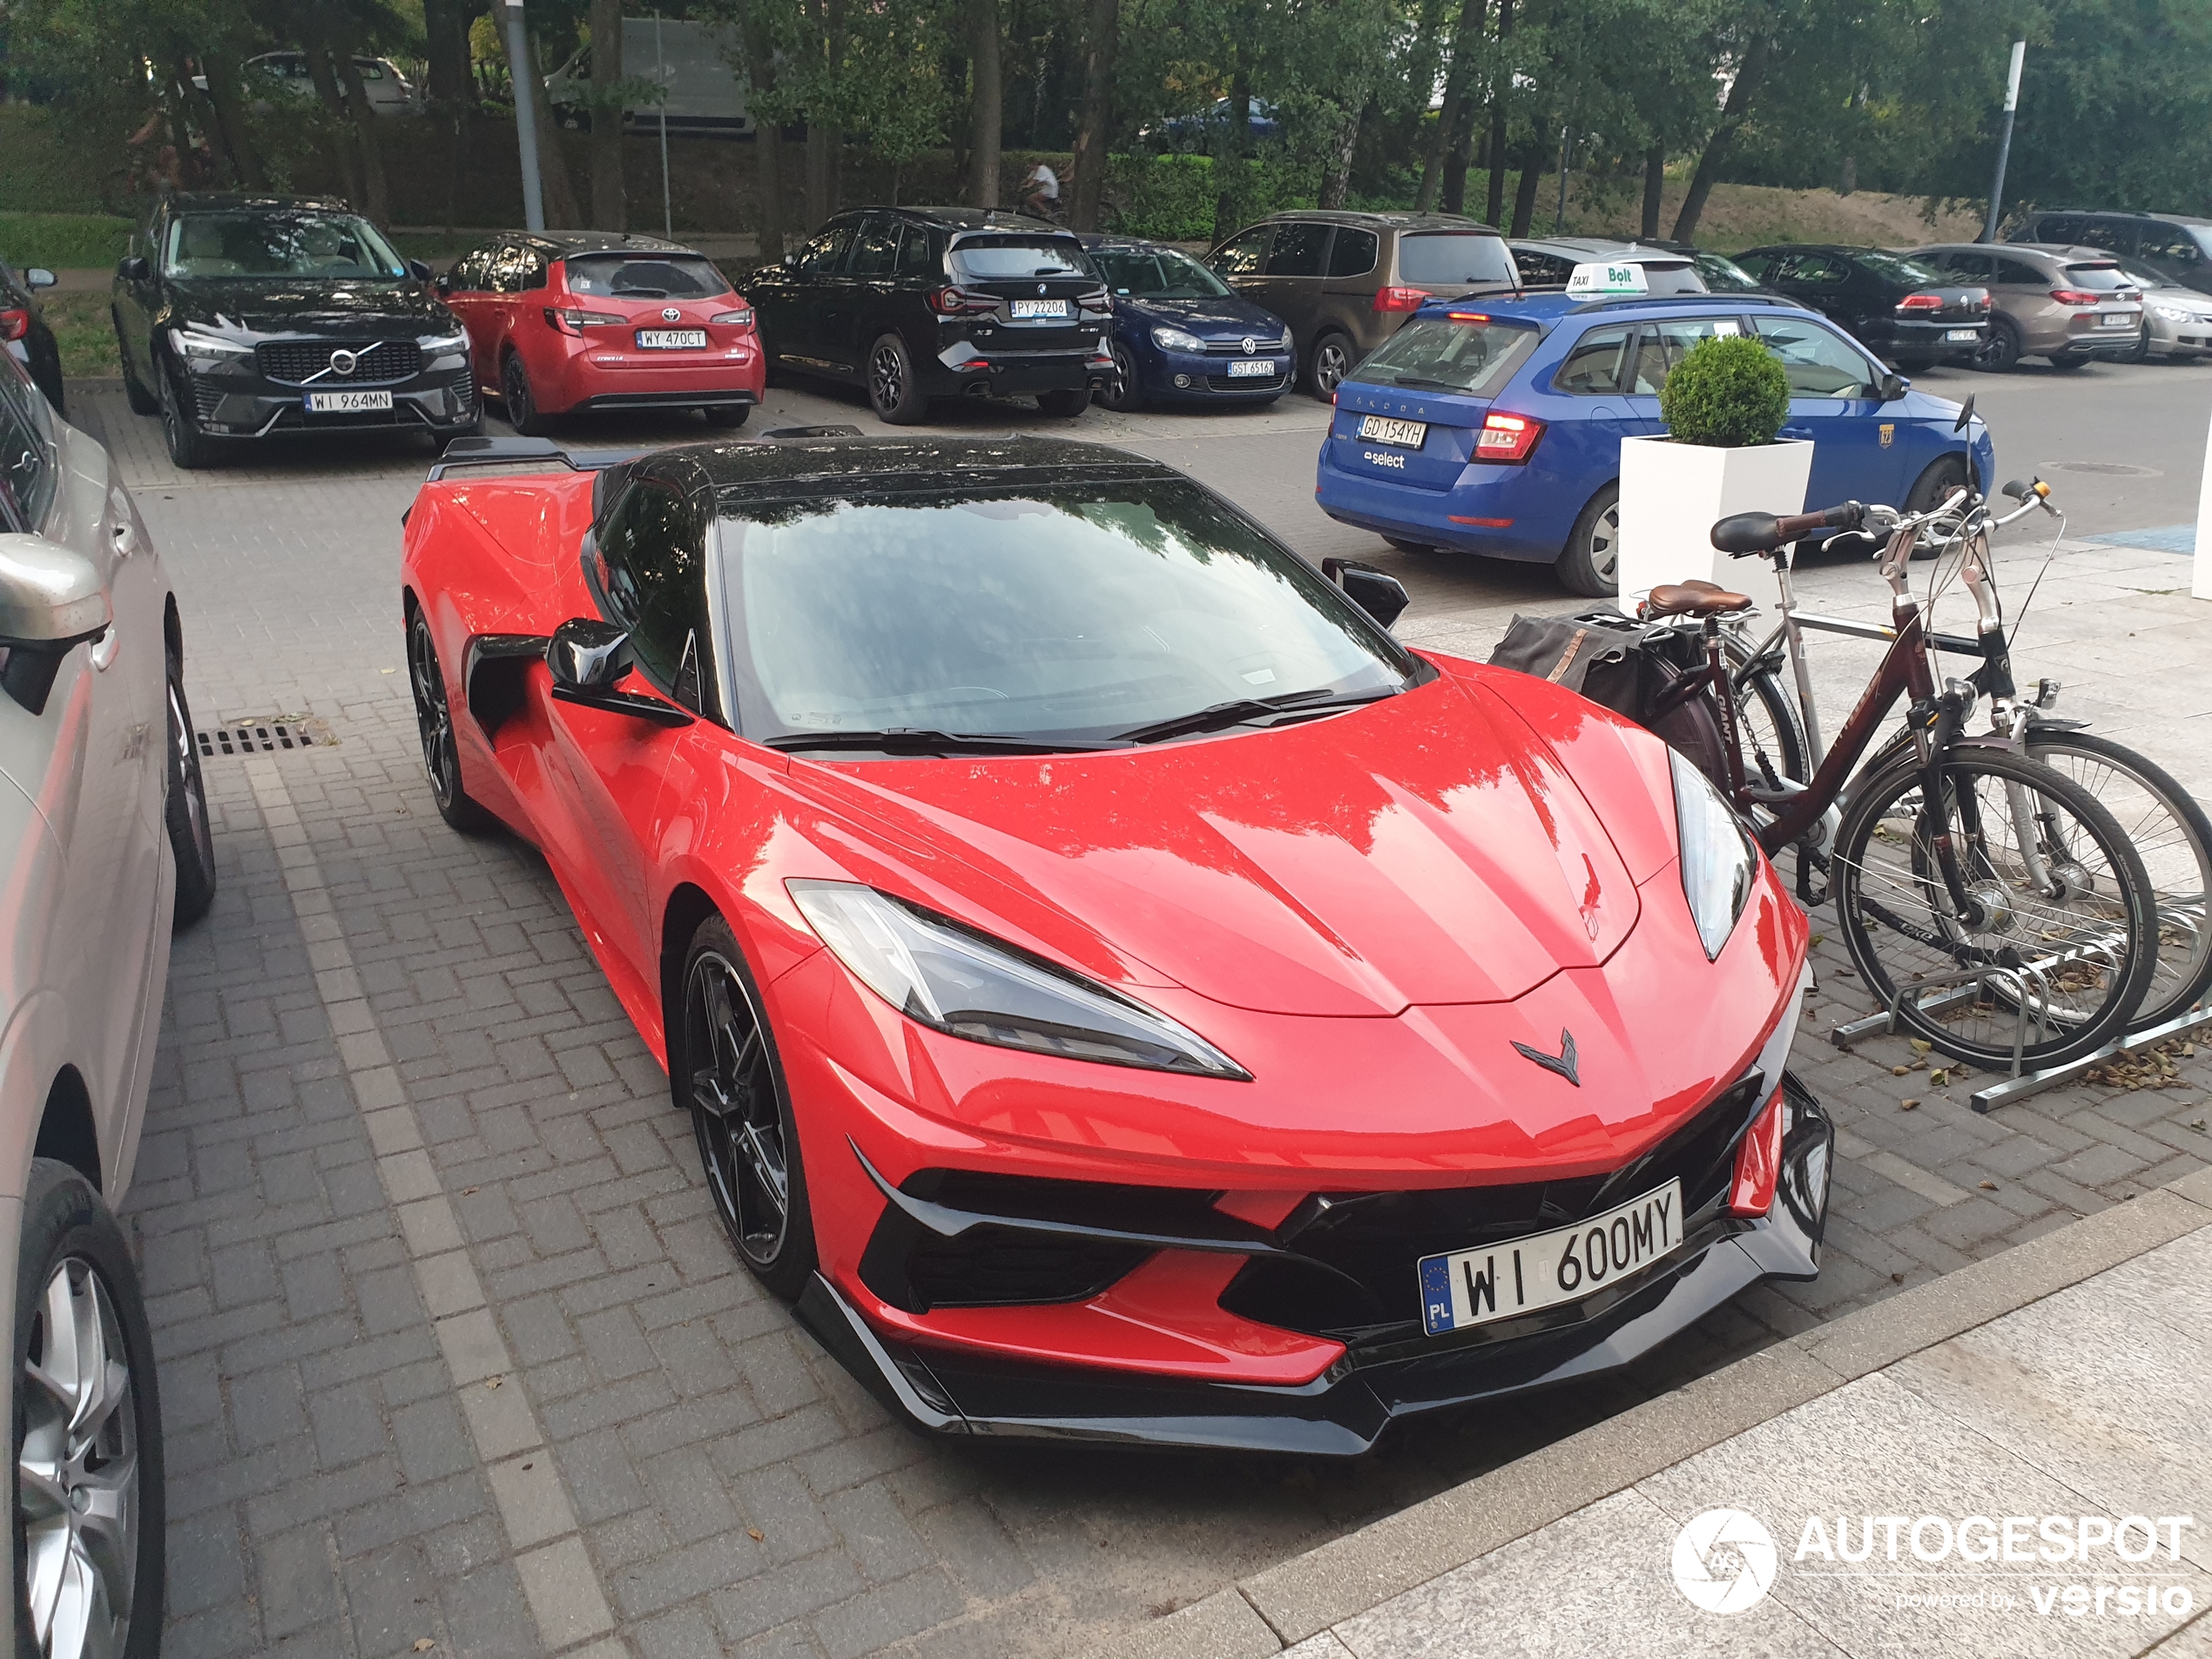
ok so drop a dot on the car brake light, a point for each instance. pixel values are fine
(14, 324)
(575, 322)
(1758, 1163)
(1921, 302)
(1507, 437)
(741, 317)
(1467, 316)
(2076, 297)
(958, 302)
(1400, 299)
(1101, 302)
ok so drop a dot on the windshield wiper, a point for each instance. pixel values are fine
(1221, 716)
(924, 740)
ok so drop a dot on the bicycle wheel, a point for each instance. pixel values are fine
(2173, 837)
(1774, 749)
(2052, 950)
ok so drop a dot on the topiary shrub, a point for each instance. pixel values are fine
(1729, 393)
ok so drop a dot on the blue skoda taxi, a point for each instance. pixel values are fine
(1494, 425)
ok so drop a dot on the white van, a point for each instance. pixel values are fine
(694, 61)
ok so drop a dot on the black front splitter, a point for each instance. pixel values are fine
(1345, 1410)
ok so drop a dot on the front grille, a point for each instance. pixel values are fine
(382, 363)
(1249, 383)
(1361, 1283)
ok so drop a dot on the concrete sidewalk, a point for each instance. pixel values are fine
(2066, 1380)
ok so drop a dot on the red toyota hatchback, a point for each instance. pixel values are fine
(566, 322)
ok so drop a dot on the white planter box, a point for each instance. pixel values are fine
(1671, 493)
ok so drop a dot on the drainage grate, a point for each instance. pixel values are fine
(265, 734)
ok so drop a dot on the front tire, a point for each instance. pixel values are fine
(724, 1070)
(1327, 364)
(522, 413)
(192, 834)
(135, 391)
(1064, 405)
(1943, 476)
(433, 723)
(189, 448)
(89, 1506)
(1125, 394)
(894, 392)
(1591, 563)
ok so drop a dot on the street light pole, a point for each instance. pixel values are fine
(518, 63)
(2005, 142)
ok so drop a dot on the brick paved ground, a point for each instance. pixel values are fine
(451, 1347)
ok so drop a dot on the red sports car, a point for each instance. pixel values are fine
(1119, 990)
(564, 321)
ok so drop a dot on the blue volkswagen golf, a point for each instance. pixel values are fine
(1494, 425)
(1182, 334)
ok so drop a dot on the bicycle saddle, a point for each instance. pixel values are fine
(1693, 599)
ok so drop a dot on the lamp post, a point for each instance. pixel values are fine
(2005, 141)
(518, 63)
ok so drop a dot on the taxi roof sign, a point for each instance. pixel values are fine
(1606, 277)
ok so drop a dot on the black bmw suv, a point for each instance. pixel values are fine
(244, 317)
(914, 303)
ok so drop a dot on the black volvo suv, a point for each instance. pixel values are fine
(914, 303)
(244, 317)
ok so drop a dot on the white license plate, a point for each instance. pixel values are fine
(2117, 320)
(1250, 368)
(347, 402)
(1962, 335)
(671, 339)
(1020, 308)
(1406, 434)
(1471, 1287)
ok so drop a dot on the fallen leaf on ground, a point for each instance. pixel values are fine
(1906, 1105)
(1989, 1186)
(755, 1533)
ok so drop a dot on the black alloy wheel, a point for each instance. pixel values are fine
(2000, 349)
(189, 448)
(1124, 393)
(727, 1075)
(192, 835)
(893, 392)
(90, 1554)
(135, 392)
(522, 413)
(1327, 368)
(434, 722)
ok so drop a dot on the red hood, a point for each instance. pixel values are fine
(1426, 849)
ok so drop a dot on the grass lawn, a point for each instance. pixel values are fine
(62, 241)
(84, 331)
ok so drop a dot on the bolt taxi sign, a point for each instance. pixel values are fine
(1624, 276)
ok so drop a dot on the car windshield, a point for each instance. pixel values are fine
(1067, 612)
(1449, 258)
(645, 276)
(2104, 277)
(277, 245)
(1466, 352)
(985, 258)
(1725, 275)
(1158, 274)
(1891, 268)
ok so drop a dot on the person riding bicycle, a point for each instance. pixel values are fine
(1041, 192)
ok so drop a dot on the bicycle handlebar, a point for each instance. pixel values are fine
(1749, 533)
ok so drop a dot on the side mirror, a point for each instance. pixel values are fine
(1966, 414)
(39, 277)
(1894, 387)
(1377, 592)
(51, 599)
(587, 658)
(134, 269)
(419, 269)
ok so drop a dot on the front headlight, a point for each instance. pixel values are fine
(1285, 343)
(2174, 313)
(433, 344)
(964, 985)
(197, 347)
(1178, 339)
(1717, 858)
